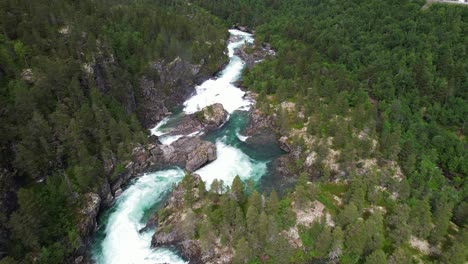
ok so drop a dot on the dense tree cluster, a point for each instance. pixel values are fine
(358, 70)
(362, 70)
(68, 70)
(262, 228)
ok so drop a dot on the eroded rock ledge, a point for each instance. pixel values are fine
(209, 118)
(176, 222)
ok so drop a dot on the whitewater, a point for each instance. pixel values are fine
(119, 240)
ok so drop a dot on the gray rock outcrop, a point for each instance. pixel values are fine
(189, 152)
(209, 118)
(253, 53)
(168, 84)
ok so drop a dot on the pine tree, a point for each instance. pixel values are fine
(237, 189)
(397, 224)
(420, 218)
(255, 200)
(375, 232)
(242, 252)
(272, 204)
(376, 257)
(400, 255)
(263, 229)
(348, 215)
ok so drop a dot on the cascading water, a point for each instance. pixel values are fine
(119, 240)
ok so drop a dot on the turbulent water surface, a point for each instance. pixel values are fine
(118, 239)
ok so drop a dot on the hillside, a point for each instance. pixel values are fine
(79, 83)
(339, 128)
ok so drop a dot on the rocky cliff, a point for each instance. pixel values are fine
(166, 85)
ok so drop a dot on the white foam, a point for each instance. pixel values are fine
(221, 90)
(158, 130)
(241, 137)
(123, 243)
(167, 140)
(231, 162)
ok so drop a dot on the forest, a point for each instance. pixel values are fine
(393, 69)
(64, 130)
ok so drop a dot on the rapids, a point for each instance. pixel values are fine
(118, 239)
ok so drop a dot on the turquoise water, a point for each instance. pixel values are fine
(118, 240)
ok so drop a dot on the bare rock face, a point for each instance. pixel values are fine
(105, 192)
(27, 75)
(189, 152)
(284, 145)
(89, 211)
(260, 130)
(258, 122)
(166, 84)
(87, 224)
(190, 249)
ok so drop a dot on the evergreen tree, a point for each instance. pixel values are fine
(376, 257)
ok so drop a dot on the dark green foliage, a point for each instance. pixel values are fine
(68, 75)
(386, 70)
(376, 257)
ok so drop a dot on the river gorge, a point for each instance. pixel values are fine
(119, 239)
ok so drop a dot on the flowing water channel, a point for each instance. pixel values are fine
(118, 239)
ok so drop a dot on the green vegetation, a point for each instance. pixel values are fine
(297, 228)
(370, 70)
(69, 74)
(380, 88)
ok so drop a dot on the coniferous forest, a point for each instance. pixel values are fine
(378, 125)
(63, 122)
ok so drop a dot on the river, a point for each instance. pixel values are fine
(118, 240)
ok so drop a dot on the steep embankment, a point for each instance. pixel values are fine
(225, 157)
(75, 80)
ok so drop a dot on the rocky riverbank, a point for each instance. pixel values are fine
(168, 84)
(175, 227)
(190, 153)
(173, 222)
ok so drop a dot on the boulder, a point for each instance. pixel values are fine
(284, 145)
(258, 121)
(207, 119)
(79, 260)
(161, 238)
(253, 53)
(189, 152)
(205, 153)
(214, 116)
